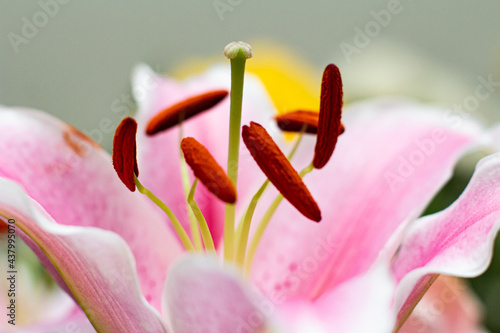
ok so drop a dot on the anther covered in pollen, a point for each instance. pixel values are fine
(125, 164)
(124, 152)
(296, 120)
(330, 111)
(279, 170)
(207, 170)
(186, 109)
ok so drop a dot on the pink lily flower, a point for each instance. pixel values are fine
(361, 269)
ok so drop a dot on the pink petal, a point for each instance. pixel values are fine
(75, 321)
(96, 265)
(201, 296)
(392, 159)
(457, 241)
(448, 307)
(362, 304)
(158, 156)
(74, 181)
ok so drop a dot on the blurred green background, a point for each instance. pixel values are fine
(75, 60)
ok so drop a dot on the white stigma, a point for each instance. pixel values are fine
(231, 50)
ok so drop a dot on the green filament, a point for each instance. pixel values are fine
(175, 222)
(265, 222)
(244, 226)
(193, 225)
(205, 231)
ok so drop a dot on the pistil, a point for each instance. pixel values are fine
(238, 53)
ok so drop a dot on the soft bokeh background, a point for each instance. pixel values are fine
(74, 59)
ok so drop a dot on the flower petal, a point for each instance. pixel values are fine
(362, 304)
(75, 321)
(457, 241)
(158, 156)
(74, 181)
(392, 159)
(96, 265)
(40, 307)
(448, 307)
(202, 296)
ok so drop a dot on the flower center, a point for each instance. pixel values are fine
(268, 156)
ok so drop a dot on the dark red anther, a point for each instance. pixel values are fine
(184, 110)
(330, 112)
(279, 171)
(294, 121)
(207, 170)
(125, 151)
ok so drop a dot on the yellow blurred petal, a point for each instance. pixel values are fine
(291, 82)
